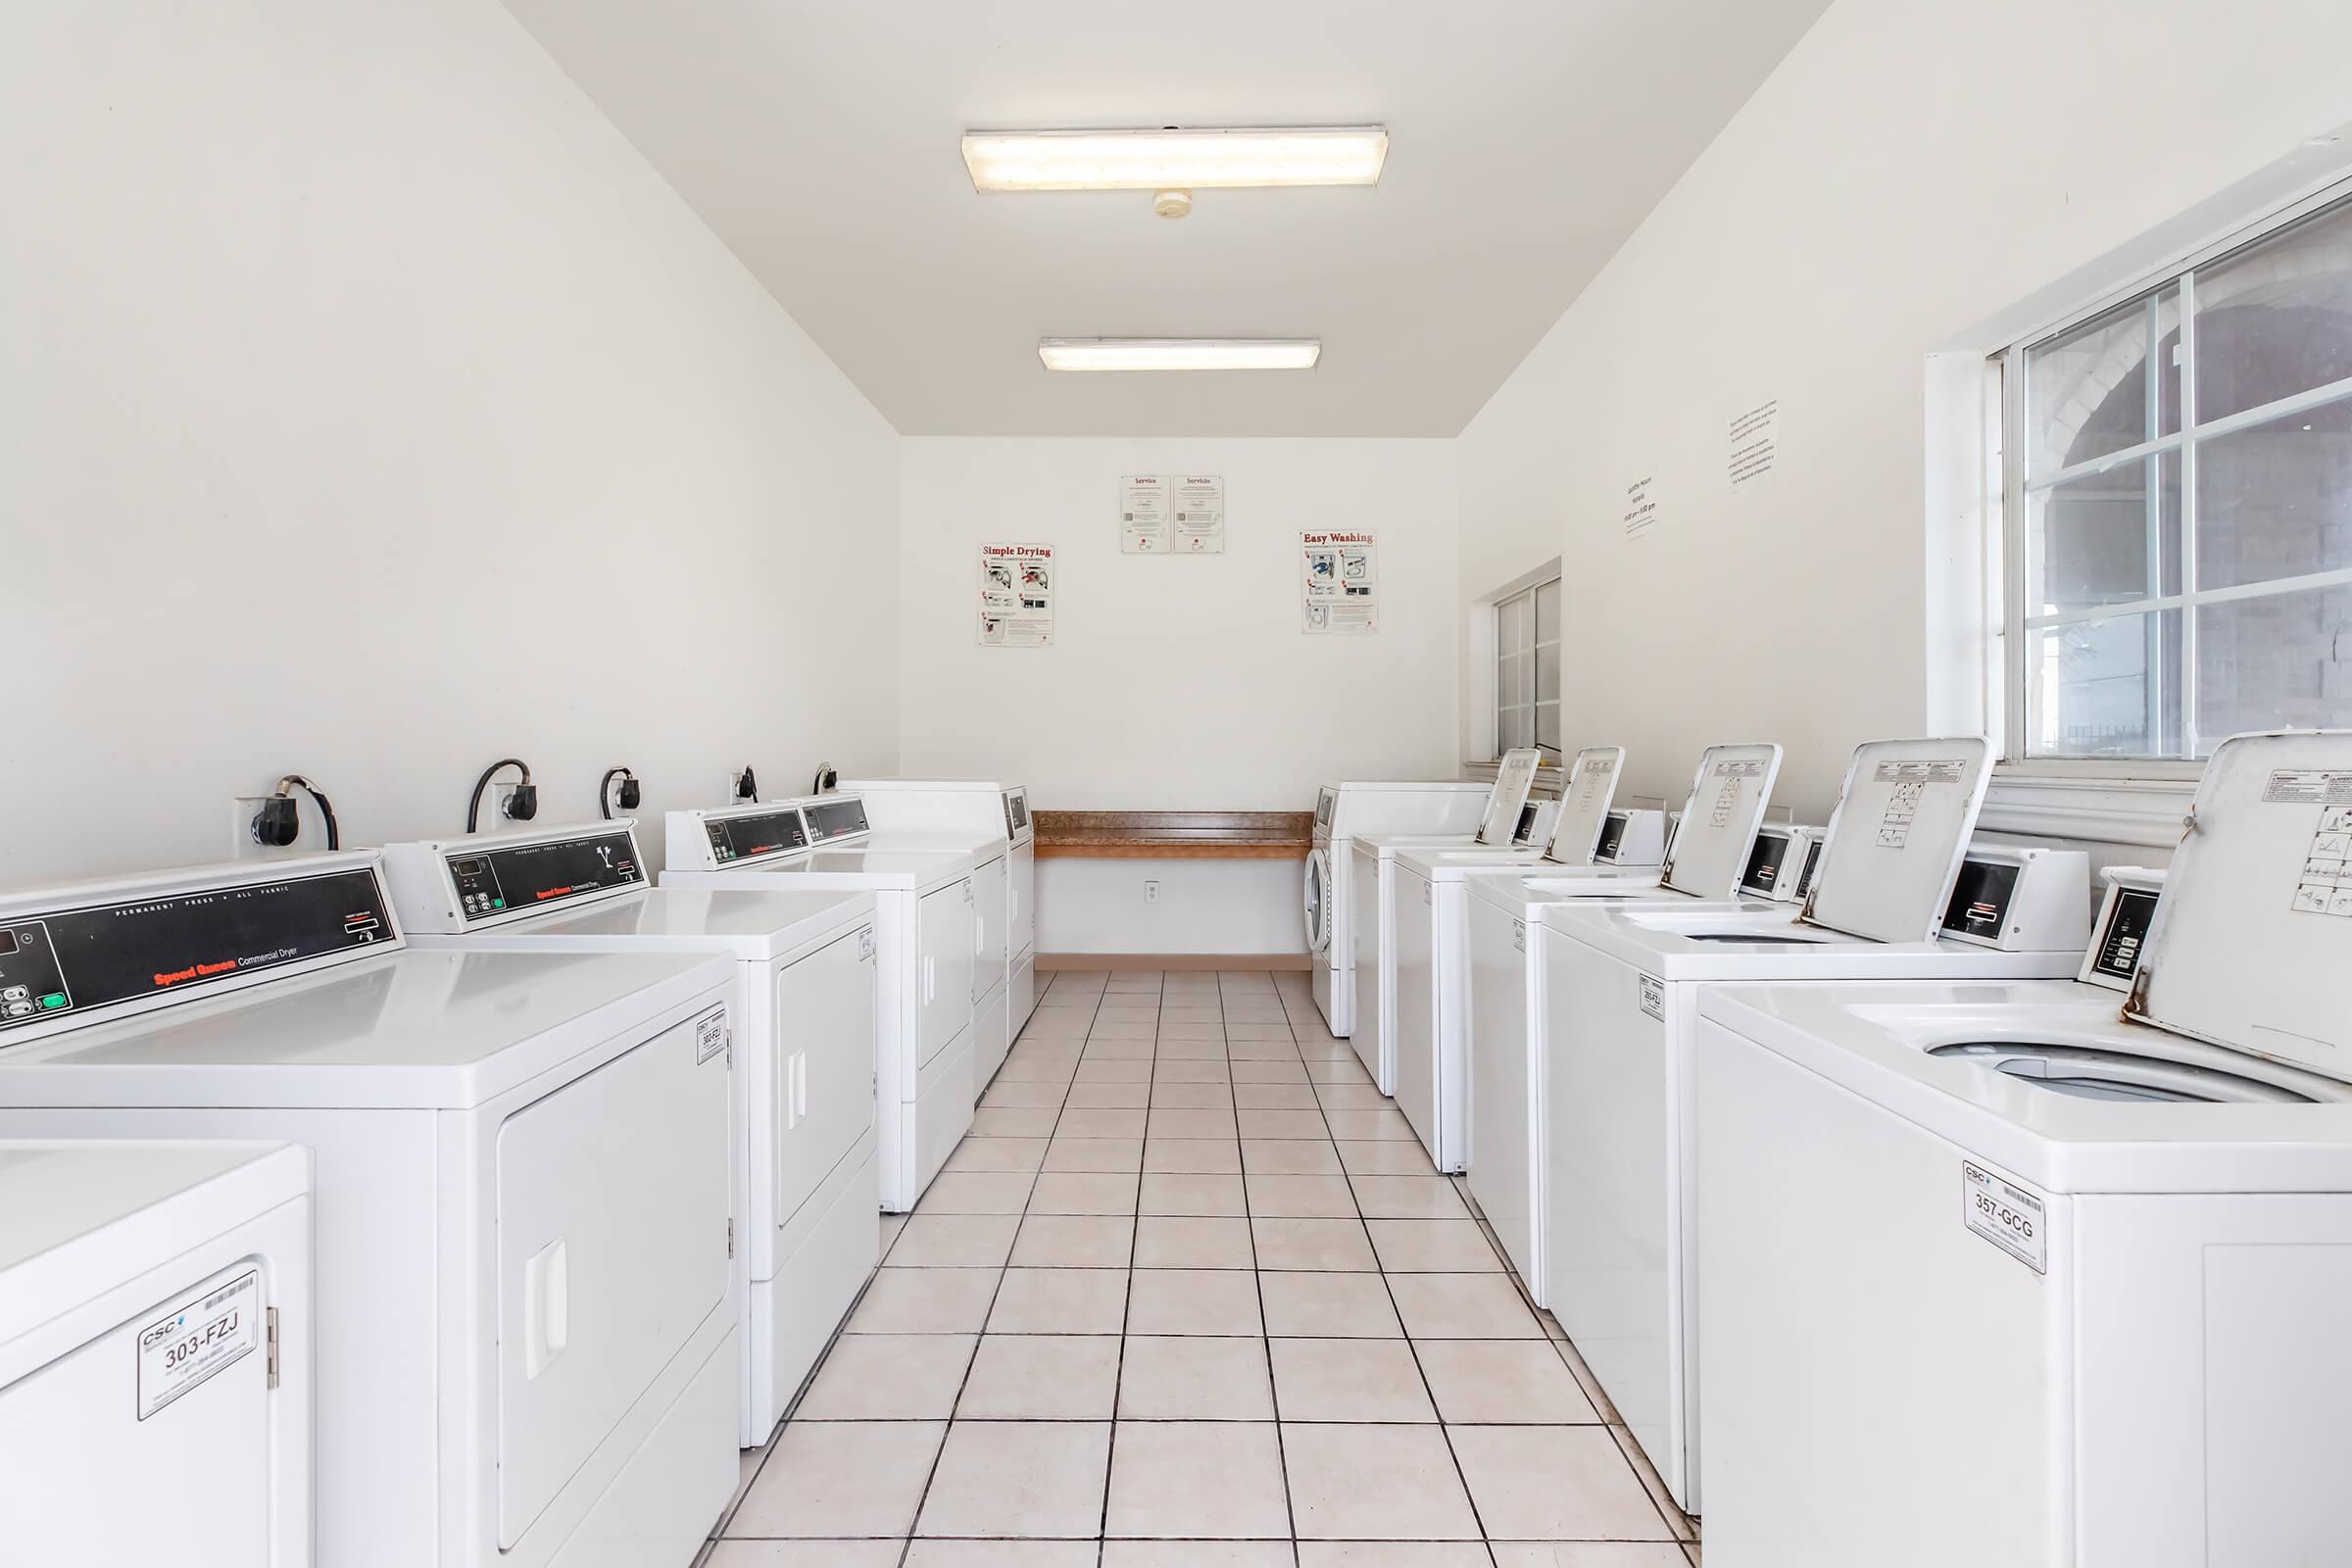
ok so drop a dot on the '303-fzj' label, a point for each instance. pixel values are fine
(199, 1339)
(1519, 935)
(710, 1036)
(2009, 1216)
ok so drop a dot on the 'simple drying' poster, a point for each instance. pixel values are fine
(1017, 596)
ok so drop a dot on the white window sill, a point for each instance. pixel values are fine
(2146, 813)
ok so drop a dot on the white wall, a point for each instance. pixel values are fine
(1176, 683)
(369, 409)
(1238, 906)
(1908, 173)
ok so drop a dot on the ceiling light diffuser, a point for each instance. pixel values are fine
(1163, 160)
(1179, 354)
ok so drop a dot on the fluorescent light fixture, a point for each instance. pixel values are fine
(1179, 353)
(1174, 160)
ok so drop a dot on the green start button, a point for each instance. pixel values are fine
(54, 999)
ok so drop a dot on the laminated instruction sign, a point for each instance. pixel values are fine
(1172, 514)
(1199, 515)
(1017, 596)
(1144, 515)
(1340, 582)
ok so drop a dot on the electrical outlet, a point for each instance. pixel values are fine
(1150, 893)
(494, 810)
(243, 846)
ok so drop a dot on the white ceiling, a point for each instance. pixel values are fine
(818, 138)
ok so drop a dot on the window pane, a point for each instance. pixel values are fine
(2275, 500)
(1513, 624)
(1547, 725)
(2105, 688)
(1547, 674)
(2087, 392)
(1511, 680)
(2095, 543)
(1512, 729)
(2270, 662)
(2277, 318)
(1548, 612)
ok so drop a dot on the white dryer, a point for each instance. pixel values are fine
(2051, 1273)
(1896, 896)
(995, 816)
(806, 1189)
(154, 1352)
(526, 1323)
(933, 935)
(1345, 812)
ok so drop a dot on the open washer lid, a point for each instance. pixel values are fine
(1720, 820)
(1584, 797)
(2252, 940)
(1514, 776)
(1897, 837)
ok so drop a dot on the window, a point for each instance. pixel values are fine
(2178, 507)
(1527, 669)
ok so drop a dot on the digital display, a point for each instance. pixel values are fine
(537, 875)
(2126, 934)
(1981, 899)
(8, 942)
(1763, 871)
(75, 960)
(744, 838)
(1612, 834)
(832, 820)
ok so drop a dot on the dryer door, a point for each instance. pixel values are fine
(1318, 901)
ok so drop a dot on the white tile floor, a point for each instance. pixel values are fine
(1191, 1296)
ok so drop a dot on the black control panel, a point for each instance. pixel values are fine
(1612, 834)
(1804, 878)
(747, 837)
(1016, 813)
(531, 876)
(835, 818)
(2126, 934)
(1527, 824)
(1763, 872)
(66, 961)
(1980, 898)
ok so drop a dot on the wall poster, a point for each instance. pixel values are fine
(1017, 596)
(1340, 582)
(1144, 515)
(1199, 515)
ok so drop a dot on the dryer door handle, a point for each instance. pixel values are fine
(546, 1307)
(930, 976)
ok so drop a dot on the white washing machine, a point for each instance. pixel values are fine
(1426, 973)
(154, 1352)
(526, 1323)
(807, 1190)
(1345, 812)
(2076, 1255)
(937, 938)
(1896, 897)
(995, 816)
(1499, 1062)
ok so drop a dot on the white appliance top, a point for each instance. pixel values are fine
(1348, 810)
(980, 808)
(1710, 941)
(1514, 776)
(1897, 836)
(80, 1216)
(755, 927)
(1531, 891)
(1586, 792)
(2252, 941)
(1449, 862)
(2243, 1125)
(1717, 823)
(910, 866)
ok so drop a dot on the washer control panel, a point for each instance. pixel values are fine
(2120, 937)
(63, 963)
(749, 838)
(531, 876)
(836, 817)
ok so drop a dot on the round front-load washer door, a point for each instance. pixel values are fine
(1318, 902)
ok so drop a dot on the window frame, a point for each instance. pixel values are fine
(1527, 590)
(2008, 488)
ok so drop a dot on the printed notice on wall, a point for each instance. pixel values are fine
(1640, 508)
(1144, 515)
(1340, 582)
(1755, 442)
(1199, 504)
(1017, 596)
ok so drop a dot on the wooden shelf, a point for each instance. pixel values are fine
(1175, 835)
